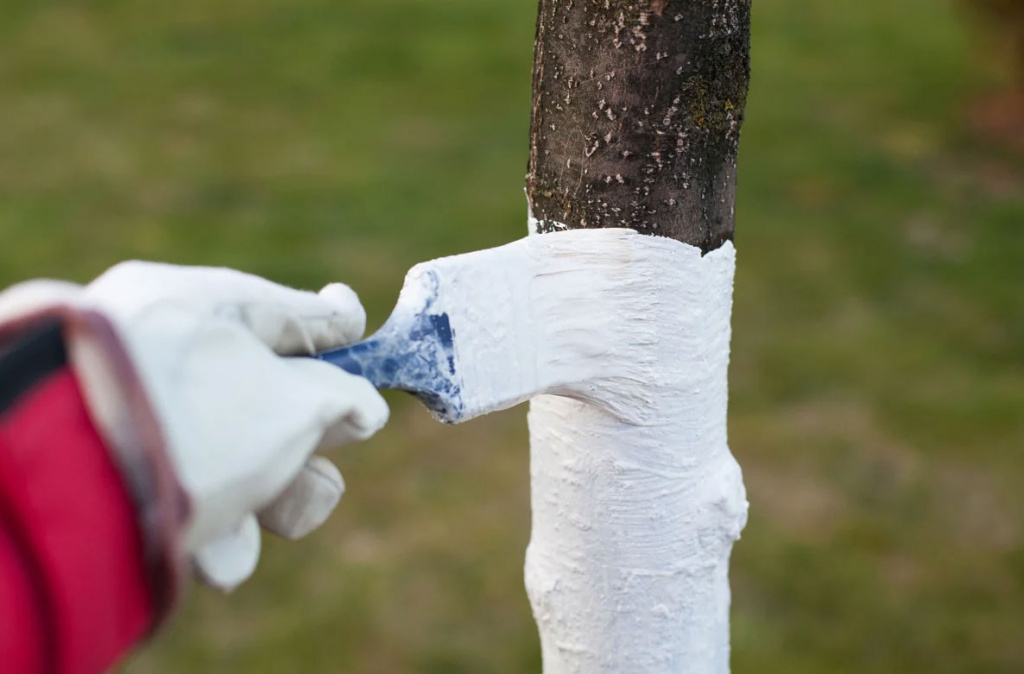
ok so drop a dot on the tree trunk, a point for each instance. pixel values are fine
(637, 108)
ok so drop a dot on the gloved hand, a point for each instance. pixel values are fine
(240, 424)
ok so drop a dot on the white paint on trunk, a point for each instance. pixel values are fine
(636, 497)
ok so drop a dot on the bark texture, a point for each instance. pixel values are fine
(637, 109)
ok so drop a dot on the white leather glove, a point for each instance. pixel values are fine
(240, 424)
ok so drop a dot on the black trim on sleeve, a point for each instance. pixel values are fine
(29, 360)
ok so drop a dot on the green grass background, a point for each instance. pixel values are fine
(878, 363)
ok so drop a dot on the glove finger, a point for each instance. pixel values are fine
(228, 561)
(292, 407)
(289, 321)
(307, 502)
(352, 408)
(303, 323)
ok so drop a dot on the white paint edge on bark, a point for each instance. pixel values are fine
(636, 506)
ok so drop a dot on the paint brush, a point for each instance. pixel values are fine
(486, 330)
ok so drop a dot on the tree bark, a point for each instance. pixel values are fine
(637, 109)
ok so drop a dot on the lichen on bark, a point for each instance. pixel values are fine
(637, 110)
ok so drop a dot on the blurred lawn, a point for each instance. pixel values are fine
(878, 369)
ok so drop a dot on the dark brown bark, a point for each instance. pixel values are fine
(637, 109)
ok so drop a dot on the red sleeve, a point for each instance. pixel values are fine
(73, 589)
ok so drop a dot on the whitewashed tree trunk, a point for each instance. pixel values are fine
(636, 120)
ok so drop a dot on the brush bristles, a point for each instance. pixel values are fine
(590, 314)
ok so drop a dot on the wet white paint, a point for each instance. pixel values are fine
(549, 314)
(636, 497)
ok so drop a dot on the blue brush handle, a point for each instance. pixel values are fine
(415, 354)
(369, 359)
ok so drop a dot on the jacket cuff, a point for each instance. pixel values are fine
(73, 544)
(119, 409)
